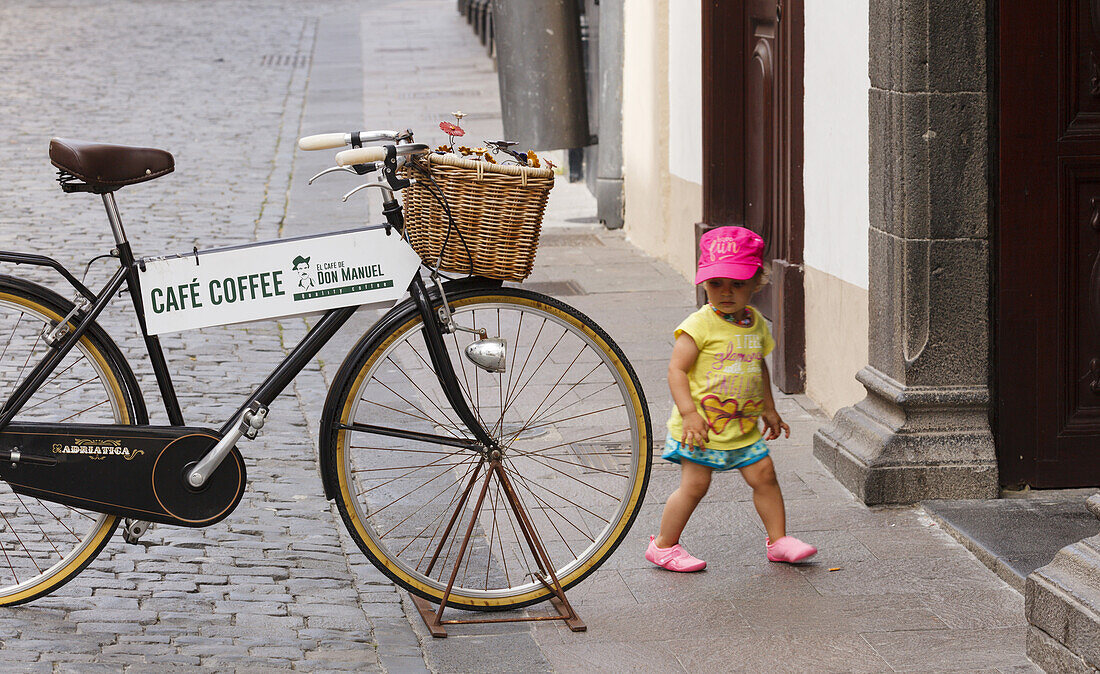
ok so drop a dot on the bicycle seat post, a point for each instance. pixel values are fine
(112, 215)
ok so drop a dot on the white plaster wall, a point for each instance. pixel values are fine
(685, 90)
(836, 129)
(645, 145)
(661, 208)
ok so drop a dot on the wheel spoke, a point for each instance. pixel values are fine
(560, 378)
(573, 463)
(450, 423)
(68, 390)
(19, 377)
(523, 368)
(439, 518)
(579, 441)
(513, 397)
(35, 520)
(406, 494)
(555, 422)
(86, 409)
(545, 507)
(539, 461)
(7, 558)
(401, 449)
(423, 394)
(538, 416)
(11, 334)
(567, 500)
(454, 430)
(421, 508)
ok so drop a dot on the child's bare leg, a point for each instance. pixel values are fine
(766, 496)
(694, 482)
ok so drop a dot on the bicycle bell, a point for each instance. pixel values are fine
(488, 353)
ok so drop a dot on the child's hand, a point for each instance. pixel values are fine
(773, 423)
(695, 430)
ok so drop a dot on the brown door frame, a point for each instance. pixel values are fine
(724, 37)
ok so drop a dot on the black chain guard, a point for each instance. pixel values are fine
(130, 471)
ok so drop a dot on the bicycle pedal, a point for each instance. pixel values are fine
(133, 530)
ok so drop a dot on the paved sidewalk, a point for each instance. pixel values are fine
(889, 591)
(228, 87)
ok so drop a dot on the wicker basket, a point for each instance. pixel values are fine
(497, 209)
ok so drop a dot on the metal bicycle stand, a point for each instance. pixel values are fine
(433, 618)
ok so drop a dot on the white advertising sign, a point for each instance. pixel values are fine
(273, 279)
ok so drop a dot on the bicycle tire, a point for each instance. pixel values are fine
(45, 545)
(581, 402)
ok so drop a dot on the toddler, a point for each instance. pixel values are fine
(720, 386)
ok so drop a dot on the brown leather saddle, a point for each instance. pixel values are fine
(102, 168)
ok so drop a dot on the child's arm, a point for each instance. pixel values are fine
(773, 423)
(684, 353)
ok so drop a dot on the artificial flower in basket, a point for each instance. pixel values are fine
(477, 210)
(493, 147)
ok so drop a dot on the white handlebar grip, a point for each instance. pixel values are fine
(360, 155)
(323, 141)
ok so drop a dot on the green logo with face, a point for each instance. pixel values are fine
(301, 265)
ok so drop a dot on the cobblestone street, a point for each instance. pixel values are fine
(221, 86)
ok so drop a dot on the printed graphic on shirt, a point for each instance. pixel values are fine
(720, 413)
(735, 375)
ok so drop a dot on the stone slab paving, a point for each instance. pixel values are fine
(904, 596)
(227, 86)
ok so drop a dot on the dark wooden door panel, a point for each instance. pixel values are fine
(1081, 74)
(1080, 316)
(1047, 332)
(1017, 442)
(752, 153)
(761, 137)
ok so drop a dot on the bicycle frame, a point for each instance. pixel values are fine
(275, 383)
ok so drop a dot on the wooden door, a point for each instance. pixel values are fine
(752, 153)
(1047, 297)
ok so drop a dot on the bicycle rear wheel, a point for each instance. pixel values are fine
(43, 545)
(568, 412)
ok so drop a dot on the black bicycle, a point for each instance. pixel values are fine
(486, 445)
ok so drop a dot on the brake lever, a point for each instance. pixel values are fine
(346, 169)
(387, 192)
(389, 170)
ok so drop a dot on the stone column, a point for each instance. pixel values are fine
(923, 429)
(1062, 604)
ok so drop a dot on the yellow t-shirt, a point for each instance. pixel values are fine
(726, 380)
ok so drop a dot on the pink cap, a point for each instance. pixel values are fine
(729, 252)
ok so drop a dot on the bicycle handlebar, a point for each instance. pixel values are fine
(327, 141)
(363, 155)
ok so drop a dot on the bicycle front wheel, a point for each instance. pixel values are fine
(568, 412)
(43, 545)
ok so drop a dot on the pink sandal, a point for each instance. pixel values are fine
(674, 559)
(789, 549)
